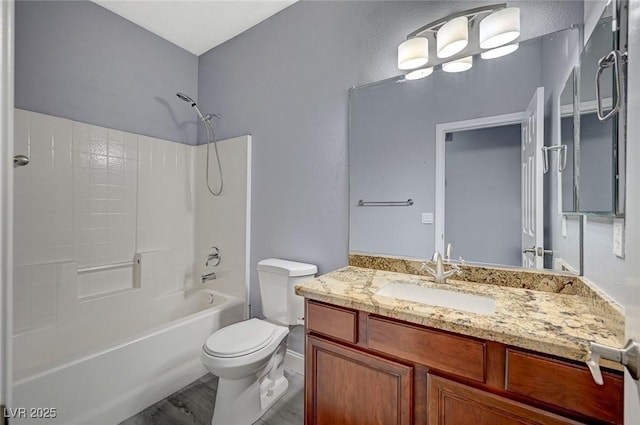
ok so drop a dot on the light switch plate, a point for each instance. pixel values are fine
(427, 218)
(564, 226)
(618, 237)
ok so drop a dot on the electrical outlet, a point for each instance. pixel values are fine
(427, 218)
(618, 237)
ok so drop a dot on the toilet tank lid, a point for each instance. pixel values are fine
(286, 267)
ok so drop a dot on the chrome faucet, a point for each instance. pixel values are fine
(207, 277)
(439, 275)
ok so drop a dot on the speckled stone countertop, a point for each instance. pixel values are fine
(548, 322)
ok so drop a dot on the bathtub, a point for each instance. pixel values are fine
(114, 383)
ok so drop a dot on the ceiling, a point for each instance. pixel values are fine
(196, 25)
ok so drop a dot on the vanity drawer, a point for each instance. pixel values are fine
(332, 321)
(565, 385)
(437, 350)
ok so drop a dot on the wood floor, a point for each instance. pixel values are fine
(193, 405)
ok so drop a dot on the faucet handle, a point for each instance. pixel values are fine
(426, 268)
(214, 255)
(455, 269)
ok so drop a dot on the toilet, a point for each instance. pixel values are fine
(248, 357)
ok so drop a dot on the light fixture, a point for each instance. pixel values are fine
(419, 73)
(499, 51)
(452, 37)
(499, 28)
(458, 65)
(413, 53)
(489, 31)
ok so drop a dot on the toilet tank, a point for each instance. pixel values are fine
(278, 279)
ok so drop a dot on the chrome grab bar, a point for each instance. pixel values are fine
(406, 203)
(613, 58)
(91, 269)
(562, 157)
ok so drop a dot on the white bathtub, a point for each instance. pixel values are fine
(115, 383)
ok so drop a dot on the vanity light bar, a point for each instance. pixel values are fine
(499, 27)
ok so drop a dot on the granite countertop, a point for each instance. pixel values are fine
(551, 323)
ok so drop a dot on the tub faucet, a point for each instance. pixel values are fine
(207, 277)
(439, 274)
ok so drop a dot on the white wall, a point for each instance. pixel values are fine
(94, 196)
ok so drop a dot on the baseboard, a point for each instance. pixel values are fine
(294, 361)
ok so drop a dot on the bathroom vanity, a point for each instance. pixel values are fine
(373, 359)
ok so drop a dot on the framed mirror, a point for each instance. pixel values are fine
(599, 142)
(439, 161)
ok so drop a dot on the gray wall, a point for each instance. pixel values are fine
(285, 81)
(77, 60)
(483, 195)
(596, 164)
(601, 266)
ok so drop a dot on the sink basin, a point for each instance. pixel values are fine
(439, 297)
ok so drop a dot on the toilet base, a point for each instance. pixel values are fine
(243, 401)
(243, 405)
(268, 398)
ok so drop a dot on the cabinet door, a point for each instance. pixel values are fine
(349, 387)
(451, 403)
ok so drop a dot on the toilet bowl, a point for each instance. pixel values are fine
(248, 357)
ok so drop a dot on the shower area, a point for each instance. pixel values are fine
(112, 233)
(117, 216)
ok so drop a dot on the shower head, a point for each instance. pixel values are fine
(186, 98)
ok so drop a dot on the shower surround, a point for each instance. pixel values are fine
(112, 231)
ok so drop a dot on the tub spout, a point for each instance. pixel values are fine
(207, 277)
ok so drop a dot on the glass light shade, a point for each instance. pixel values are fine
(499, 51)
(413, 53)
(418, 73)
(499, 28)
(452, 37)
(459, 65)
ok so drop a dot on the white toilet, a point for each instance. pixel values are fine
(248, 357)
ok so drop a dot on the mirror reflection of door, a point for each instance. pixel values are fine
(493, 190)
(482, 194)
(532, 231)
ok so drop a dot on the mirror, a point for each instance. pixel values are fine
(438, 160)
(567, 135)
(596, 146)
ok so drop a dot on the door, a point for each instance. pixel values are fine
(632, 220)
(346, 386)
(452, 403)
(532, 184)
(6, 196)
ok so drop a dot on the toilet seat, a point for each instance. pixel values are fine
(240, 338)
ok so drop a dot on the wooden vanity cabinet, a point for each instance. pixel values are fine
(346, 386)
(364, 369)
(452, 403)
